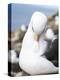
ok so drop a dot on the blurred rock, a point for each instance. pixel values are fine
(22, 73)
(14, 46)
(15, 38)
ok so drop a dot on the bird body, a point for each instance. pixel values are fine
(31, 59)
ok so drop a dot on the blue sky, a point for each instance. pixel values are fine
(21, 13)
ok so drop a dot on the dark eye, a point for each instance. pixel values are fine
(32, 29)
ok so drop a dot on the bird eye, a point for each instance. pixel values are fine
(32, 29)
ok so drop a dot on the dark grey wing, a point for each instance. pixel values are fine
(52, 53)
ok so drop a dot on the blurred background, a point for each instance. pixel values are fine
(19, 16)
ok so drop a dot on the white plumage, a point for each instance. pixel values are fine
(30, 59)
(50, 35)
(23, 27)
(12, 57)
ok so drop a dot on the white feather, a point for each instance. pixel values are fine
(30, 59)
(12, 56)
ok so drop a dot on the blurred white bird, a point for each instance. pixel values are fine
(34, 45)
(56, 20)
(23, 28)
(50, 34)
(12, 56)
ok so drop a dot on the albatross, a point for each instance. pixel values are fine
(33, 47)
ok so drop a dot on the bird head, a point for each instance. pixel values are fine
(39, 21)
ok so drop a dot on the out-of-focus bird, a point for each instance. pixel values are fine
(52, 52)
(23, 28)
(12, 56)
(50, 34)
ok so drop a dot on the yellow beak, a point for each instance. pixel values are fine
(36, 37)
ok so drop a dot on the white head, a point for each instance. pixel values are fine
(49, 34)
(38, 22)
(23, 28)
